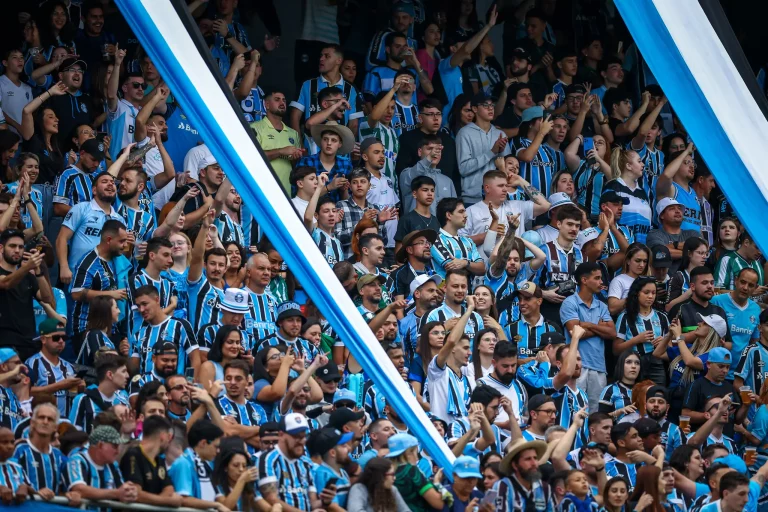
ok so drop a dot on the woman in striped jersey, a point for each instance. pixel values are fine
(589, 173)
(627, 170)
(695, 252)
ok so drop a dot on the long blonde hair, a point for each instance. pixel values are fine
(619, 161)
(700, 346)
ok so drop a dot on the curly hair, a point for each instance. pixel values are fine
(380, 499)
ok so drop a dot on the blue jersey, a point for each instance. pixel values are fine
(381, 79)
(191, 476)
(377, 54)
(43, 469)
(253, 105)
(92, 273)
(85, 408)
(406, 118)
(671, 438)
(309, 105)
(42, 372)
(329, 245)
(261, 317)
(409, 333)
(73, 186)
(171, 330)
(527, 336)
(568, 402)
(206, 335)
(753, 366)
(729, 444)
(12, 475)
(513, 497)
(628, 471)
(93, 341)
(538, 376)
(324, 473)
(569, 505)
(292, 477)
(301, 347)
(204, 302)
(636, 215)
(180, 283)
(86, 220)
(559, 265)
(452, 82)
(589, 186)
(458, 428)
(121, 126)
(165, 289)
(443, 312)
(653, 159)
(504, 285)
(743, 324)
(559, 89)
(142, 379)
(80, 469)
(691, 207)
(61, 307)
(448, 247)
(11, 413)
(615, 397)
(141, 223)
(182, 136)
(37, 198)
(657, 322)
(229, 229)
(539, 171)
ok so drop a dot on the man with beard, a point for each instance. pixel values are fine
(280, 142)
(656, 407)
(228, 221)
(452, 251)
(503, 378)
(382, 78)
(449, 388)
(375, 401)
(333, 447)
(39, 458)
(377, 153)
(156, 331)
(112, 375)
(670, 233)
(76, 182)
(121, 111)
(369, 287)
(402, 20)
(485, 402)
(73, 107)
(522, 488)
(527, 332)
(289, 322)
(85, 222)
(139, 220)
(379, 432)
(702, 287)
(210, 179)
(261, 316)
(191, 473)
(426, 296)
(346, 419)
(356, 207)
(13, 389)
(542, 413)
(297, 399)
(158, 260)
(48, 373)
(178, 397)
(18, 288)
(205, 279)
(97, 275)
(456, 288)
(165, 357)
(248, 415)
(415, 253)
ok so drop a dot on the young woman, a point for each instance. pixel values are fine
(9, 145)
(615, 495)
(272, 366)
(55, 28)
(420, 494)
(673, 143)
(675, 182)
(491, 474)
(695, 252)
(485, 302)
(233, 479)
(686, 459)
(461, 114)
(181, 254)
(463, 20)
(99, 94)
(652, 489)
(375, 491)
(434, 335)
(40, 130)
(312, 331)
(636, 263)
(428, 56)
(627, 170)
(616, 399)
(589, 177)
(562, 181)
(484, 71)
(482, 354)
(226, 348)
(349, 71)
(640, 325)
(726, 243)
(103, 314)
(29, 164)
(235, 274)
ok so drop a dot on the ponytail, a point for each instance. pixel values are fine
(619, 161)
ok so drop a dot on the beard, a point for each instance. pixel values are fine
(127, 195)
(507, 378)
(531, 476)
(658, 417)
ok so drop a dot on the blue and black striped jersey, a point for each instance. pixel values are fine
(568, 403)
(165, 287)
(301, 348)
(261, 317)
(448, 247)
(539, 171)
(11, 413)
(141, 223)
(12, 475)
(330, 246)
(443, 312)
(229, 229)
(92, 273)
(43, 469)
(171, 330)
(80, 469)
(73, 186)
(206, 335)
(93, 341)
(42, 372)
(615, 397)
(84, 408)
(292, 478)
(527, 336)
(204, 301)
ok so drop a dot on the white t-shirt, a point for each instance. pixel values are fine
(619, 286)
(382, 193)
(479, 216)
(121, 125)
(471, 374)
(437, 380)
(547, 234)
(13, 99)
(301, 207)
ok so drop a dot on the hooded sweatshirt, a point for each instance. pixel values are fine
(443, 185)
(475, 151)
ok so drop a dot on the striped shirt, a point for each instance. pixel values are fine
(253, 105)
(458, 428)
(729, 267)
(309, 104)
(657, 322)
(165, 289)
(80, 469)
(628, 471)
(505, 285)
(486, 78)
(292, 477)
(514, 391)
(94, 340)
(448, 247)
(568, 402)
(206, 335)
(377, 54)
(180, 284)
(204, 302)
(43, 469)
(589, 186)
(42, 372)
(539, 171)
(753, 366)
(92, 273)
(559, 265)
(341, 167)
(139, 222)
(170, 330)
(191, 476)
(86, 220)
(12, 475)
(249, 413)
(353, 213)
(330, 246)
(301, 347)
(615, 397)
(260, 319)
(11, 413)
(406, 118)
(141, 380)
(84, 408)
(324, 473)
(443, 313)
(527, 336)
(73, 186)
(653, 159)
(229, 229)
(36, 195)
(636, 215)
(388, 137)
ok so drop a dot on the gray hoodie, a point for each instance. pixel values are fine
(475, 156)
(443, 185)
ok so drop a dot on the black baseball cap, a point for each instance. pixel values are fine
(270, 427)
(662, 258)
(647, 426)
(94, 148)
(321, 441)
(342, 416)
(552, 338)
(328, 372)
(610, 196)
(164, 348)
(368, 142)
(575, 89)
(537, 401)
(479, 99)
(656, 392)
(521, 53)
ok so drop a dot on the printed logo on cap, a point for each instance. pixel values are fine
(523, 287)
(660, 255)
(239, 297)
(101, 147)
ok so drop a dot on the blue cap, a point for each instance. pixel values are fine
(535, 238)
(406, 7)
(467, 467)
(532, 113)
(343, 394)
(6, 354)
(399, 443)
(733, 462)
(720, 355)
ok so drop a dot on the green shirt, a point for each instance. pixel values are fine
(729, 267)
(412, 484)
(388, 138)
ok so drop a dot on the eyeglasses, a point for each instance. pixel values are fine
(432, 114)
(344, 403)
(139, 85)
(74, 70)
(426, 243)
(179, 243)
(178, 387)
(546, 411)
(275, 357)
(389, 473)
(487, 104)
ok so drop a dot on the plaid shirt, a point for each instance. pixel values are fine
(343, 166)
(352, 215)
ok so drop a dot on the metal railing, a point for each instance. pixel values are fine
(116, 505)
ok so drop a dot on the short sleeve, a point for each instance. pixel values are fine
(130, 467)
(434, 372)
(73, 218)
(615, 289)
(569, 310)
(181, 476)
(759, 426)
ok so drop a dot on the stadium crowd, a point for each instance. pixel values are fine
(536, 244)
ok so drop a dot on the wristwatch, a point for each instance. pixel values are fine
(676, 245)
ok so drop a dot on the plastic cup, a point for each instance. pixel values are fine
(745, 392)
(750, 455)
(685, 421)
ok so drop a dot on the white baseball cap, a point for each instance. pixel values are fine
(294, 423)
(717, 323)
(559, 199)
(665, 203)
(421, 280)
(586, 235)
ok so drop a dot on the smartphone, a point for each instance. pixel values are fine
(36, 242)
(331, 481)
(589, 145)
(247, 56)
(489, 498)
(100, 136)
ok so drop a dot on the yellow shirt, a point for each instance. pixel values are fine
(270, 139)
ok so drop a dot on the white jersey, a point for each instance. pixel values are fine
(13, 99)
(121, 125)
(479, 218)
(382, 193)
(444, 396)
(548, 234)
(301, 207)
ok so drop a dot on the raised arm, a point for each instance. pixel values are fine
(114, 80)
(249, 77)
(638, 141)
(464, 53)
(629, 126)
(159, 97)
(27, 118)
(569, 364)
(456, 333)
(529, 153)
(664, 186)
(380, 108)
(703, 432)
(198, 250)
(572, 158)
(309, 214)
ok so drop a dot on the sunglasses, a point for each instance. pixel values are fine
(58, 337)
(348, 405)
(139, 85)
(180, 387)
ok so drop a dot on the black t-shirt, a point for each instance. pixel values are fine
(196, 202)
(51, 164)
(413, 221)
(701, 390)
(72, 111)
(151, 476)
(17, 318)
(689, 315)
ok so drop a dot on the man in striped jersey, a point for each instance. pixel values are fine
(112, 375)
(289, 322)
(426, 296)
(452, 251)
(527, 332)
(570, 399)
(285, 475)
(333, 448)
(248, 414)
(406, 112)
(191, 472)
(48, 373)
(205, 278)
(159, 259)
(261, 316)
(456, 292)
(403, 14)
(165, 357)
(322, 210)
(14, 482)
(74, 184)
(227, 206)
(333, 106)
(141, 222)
(122, 110)
(41, 461)
(11, 389)
(379, 125)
